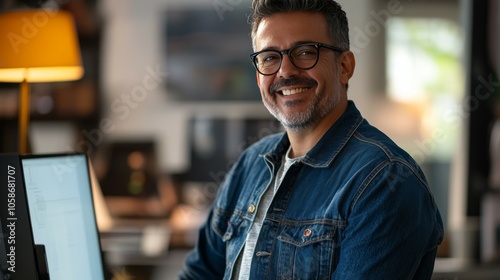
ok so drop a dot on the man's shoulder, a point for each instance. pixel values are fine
(378, 140)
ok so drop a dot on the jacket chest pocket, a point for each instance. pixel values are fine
(229, 227)
(306, 251)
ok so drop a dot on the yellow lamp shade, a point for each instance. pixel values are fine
(39, 46)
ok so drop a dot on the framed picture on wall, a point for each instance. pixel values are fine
(207, 56)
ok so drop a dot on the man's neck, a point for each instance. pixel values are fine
(302, 141)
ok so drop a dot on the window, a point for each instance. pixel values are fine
(424, 71)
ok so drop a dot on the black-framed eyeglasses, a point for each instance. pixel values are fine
(303, 56)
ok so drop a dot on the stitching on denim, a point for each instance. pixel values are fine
(384, 149)
(297, 223)
(367, 181)
(219, 214)
(396, 162)
(395, 159)
(349, 135)
(326, 237)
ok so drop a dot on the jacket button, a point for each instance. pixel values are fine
(307, 232)
(251, 208)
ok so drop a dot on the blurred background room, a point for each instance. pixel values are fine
(169, 100)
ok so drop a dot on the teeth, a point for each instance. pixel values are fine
(293, 91)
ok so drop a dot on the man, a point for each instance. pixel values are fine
(333, 197)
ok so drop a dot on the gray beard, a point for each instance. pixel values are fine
(314, 113)
(296, 122)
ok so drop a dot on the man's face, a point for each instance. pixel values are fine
(302, 99)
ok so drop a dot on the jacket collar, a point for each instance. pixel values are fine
(327, 148)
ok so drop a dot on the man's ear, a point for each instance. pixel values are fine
(347, 63)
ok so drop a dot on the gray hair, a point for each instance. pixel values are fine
(336, 18)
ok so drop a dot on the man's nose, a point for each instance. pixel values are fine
(287, 68)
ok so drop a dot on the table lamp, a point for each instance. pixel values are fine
(37, 46)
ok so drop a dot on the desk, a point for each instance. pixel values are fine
(483, 272)
(136, 242)
(149, 248)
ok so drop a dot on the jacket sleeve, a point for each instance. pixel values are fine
(393, 228)
(207, 259)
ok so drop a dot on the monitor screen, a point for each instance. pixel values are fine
(62, 215)
(131, 170)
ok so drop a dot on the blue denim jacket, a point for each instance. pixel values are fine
(356, 207)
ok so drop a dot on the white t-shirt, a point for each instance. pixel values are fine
(242, 266)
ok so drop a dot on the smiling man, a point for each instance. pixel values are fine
(332, 197)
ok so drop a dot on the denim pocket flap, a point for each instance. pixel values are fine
(305, 234)
(226, 225)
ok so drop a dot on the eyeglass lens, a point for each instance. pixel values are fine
(302, 56)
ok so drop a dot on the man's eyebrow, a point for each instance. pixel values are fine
(269, 48)
(274, 48)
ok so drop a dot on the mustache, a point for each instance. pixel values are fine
(292, 82)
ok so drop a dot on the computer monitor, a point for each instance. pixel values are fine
(59, 195)
(131, 170)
